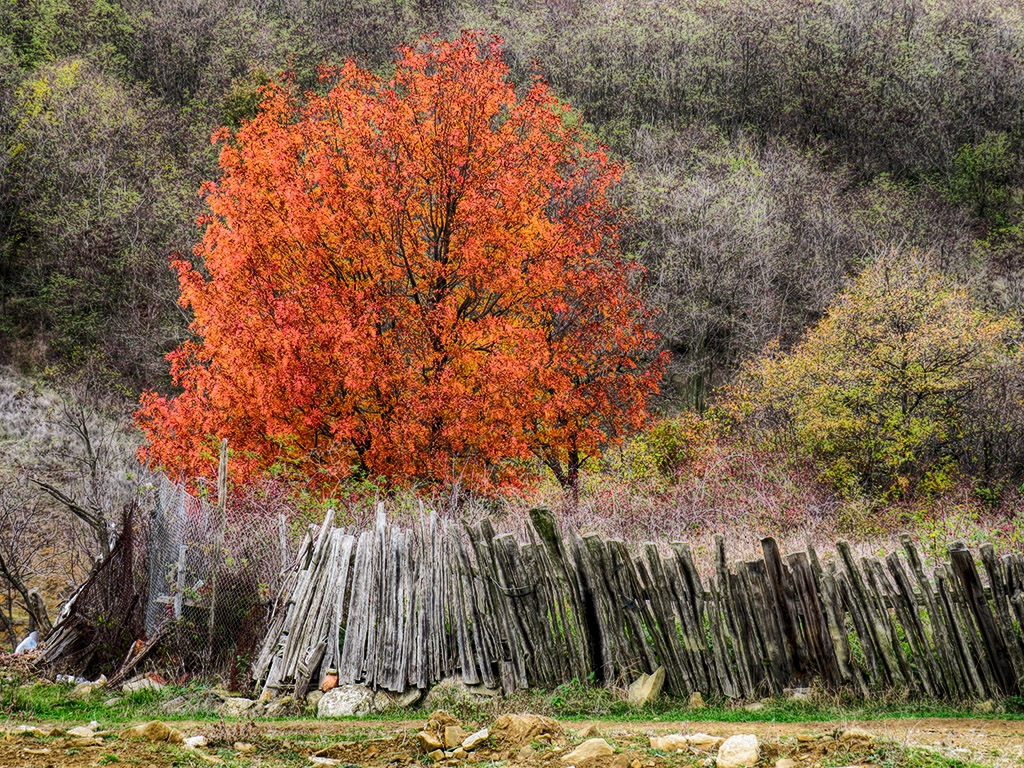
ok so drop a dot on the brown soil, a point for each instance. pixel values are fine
(392, 743)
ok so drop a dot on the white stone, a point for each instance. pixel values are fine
(740, 751)
(474, 740)
(195, 741)
(345, 701)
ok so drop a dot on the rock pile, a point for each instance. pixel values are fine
(443, 736)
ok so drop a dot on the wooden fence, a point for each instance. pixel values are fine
(399, 607)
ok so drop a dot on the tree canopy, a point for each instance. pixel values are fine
(414, 277)
(900, 380)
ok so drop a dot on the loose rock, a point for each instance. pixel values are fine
(82, 691)
(175, 705)
(589, 731)
(512, 731)
(454, 735)
(704, 741)
(429, 742)
(140, 684)
(786, 762)
(235, 706)
(858, 735)
(313, 699)
(740, 751)
(410, 698)
(646, 689)
(474, 740)
(674, 742)
(588, 750)
(155, 731)
(696, 700)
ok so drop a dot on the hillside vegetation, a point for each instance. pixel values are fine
(827, 198)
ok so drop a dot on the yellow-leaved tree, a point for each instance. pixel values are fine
(885, 390)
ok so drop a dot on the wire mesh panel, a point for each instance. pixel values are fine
(211, 605)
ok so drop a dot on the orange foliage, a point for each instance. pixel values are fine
(413, 278)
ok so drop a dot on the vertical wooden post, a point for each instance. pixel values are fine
(282, 536)
(180, 589)
(217, 555)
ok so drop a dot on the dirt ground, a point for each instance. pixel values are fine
(391, 743)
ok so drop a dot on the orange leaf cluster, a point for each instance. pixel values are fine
(412, 278)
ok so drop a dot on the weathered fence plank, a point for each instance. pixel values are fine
(396, 607)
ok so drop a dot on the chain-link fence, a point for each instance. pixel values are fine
(212, 605)
(170, 594)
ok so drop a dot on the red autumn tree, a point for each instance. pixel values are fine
(412, 278)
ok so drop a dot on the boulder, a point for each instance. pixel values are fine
(235, 706)
(740, 751)
(382, 702)
(647, 688)
(313, 699)
(453, 690)
(588, 750)
(279, 708)
(409, 699)
(696, 701)
(155, 731)
(345, 701)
